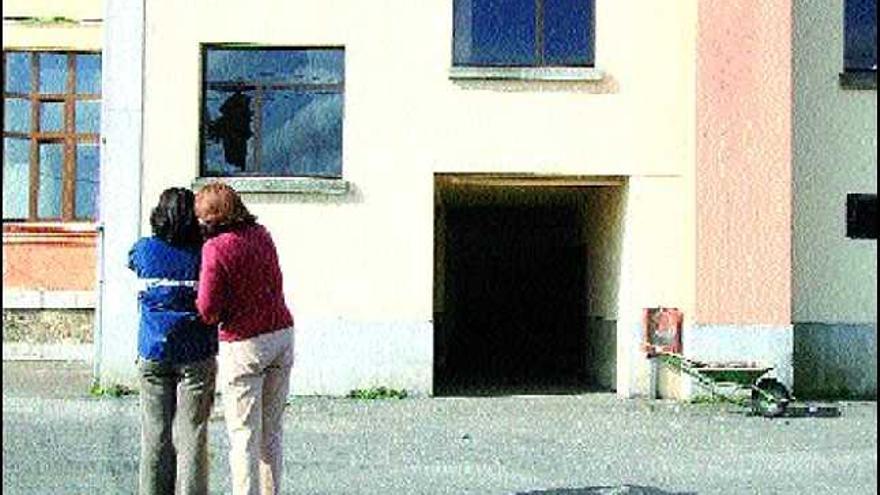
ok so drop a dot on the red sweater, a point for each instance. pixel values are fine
(240, 284)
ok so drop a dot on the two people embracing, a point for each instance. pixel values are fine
(212, 312)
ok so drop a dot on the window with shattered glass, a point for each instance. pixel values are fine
(270, 111)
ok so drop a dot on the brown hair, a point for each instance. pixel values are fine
(218, 204)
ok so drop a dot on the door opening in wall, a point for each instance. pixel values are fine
(515, 288)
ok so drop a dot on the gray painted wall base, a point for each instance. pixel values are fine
(602, 353)
(835, 360)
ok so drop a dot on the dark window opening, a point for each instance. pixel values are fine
(523, 33)
(861, 216)
(272, 111)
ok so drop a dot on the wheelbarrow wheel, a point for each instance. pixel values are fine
(770, 398)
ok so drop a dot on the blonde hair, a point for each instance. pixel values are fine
(217, 203)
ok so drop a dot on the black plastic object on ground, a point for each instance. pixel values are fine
(770, 398)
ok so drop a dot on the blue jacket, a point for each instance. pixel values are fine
(170, 328)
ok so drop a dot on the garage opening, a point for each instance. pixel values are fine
(525, 284)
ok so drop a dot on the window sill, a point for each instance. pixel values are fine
(466, 73)
(859, 80)
(62, 228)
(48, 299)
(287, 185)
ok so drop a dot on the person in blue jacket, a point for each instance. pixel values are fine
(176, 351)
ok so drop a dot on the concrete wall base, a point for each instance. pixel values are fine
(333, 357)
(835, 360)
(48, 334)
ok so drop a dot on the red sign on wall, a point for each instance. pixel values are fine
(662, 330)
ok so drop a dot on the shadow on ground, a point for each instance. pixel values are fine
(606, 490)
(500, 390)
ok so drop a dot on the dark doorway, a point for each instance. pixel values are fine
(514, 296)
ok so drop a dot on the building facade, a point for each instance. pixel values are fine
(51, 162)
(834, 166)
(471, 195)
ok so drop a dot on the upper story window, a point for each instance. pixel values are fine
(51, 125)
(271, 111)
(860, 36)
(523, 33)
(861, 216)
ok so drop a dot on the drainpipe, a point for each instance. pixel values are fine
(96, 328)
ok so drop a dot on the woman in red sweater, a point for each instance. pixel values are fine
(240, 288)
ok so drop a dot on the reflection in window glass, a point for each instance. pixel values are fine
(18, 72)
(275, 66)
(53, 73)
(568, 32)
(495, 32)
(49, 194)
(16, 115)
(302, 133)
(518, 33)
(88, 116)
(88, 74)
(87, 179)
(273, 112)
(16, 178)
(52, 116)
(860, 24)
(63, 123)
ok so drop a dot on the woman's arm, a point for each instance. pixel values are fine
(133, 258)
(210, 299)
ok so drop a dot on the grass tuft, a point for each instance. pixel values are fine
(377, 393)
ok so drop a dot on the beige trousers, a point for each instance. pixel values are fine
(255, 377)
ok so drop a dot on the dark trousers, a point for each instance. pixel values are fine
(176, 403)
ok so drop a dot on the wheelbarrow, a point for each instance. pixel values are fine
(769, 397)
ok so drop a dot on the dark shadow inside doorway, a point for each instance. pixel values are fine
(515, 301)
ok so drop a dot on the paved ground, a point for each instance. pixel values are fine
(59, 440)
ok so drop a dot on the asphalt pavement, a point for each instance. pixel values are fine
(59, 439)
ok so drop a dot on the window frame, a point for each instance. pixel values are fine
(259, 87)
(540, 45)
(68, 137)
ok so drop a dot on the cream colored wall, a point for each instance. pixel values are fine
(654, 269)
(369, 256)
(39, 31)
(76, 9)
(835, 153)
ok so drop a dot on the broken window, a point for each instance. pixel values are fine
(269, 111)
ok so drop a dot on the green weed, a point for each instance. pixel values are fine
(116, 390)
(377, 393)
